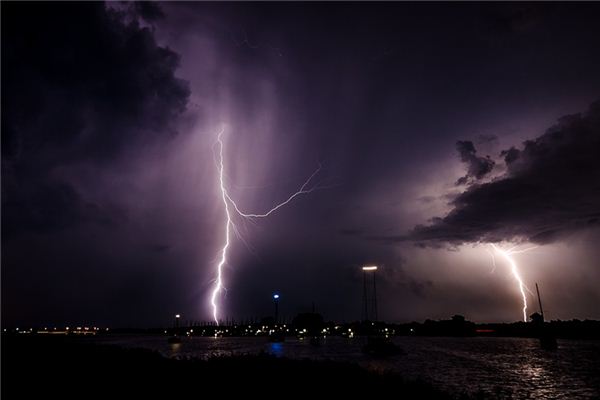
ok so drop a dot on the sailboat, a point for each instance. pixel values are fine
(547, 339)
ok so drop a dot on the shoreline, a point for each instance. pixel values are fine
(52, 367)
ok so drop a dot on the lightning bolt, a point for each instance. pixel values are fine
(228, 227)
(507, 254)
(302, 190)
(230, 206)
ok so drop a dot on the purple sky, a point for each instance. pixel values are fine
(439, 127)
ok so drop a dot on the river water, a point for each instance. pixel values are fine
(514, 368)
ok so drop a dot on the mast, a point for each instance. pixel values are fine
(539, 300)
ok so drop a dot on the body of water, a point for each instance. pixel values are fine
(500, 367)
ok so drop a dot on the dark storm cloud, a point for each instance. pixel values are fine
(120, 220)
(78, 86)
(148, 10)
(551, 189)
(356, 86)
(48, 206)
(477, 167)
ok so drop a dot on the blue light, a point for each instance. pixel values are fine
(275, 296)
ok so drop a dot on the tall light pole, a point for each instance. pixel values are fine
(365, 299)
(276, 301)
(366, 269)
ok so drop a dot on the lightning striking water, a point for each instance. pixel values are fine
(515, 271)
(228, 203)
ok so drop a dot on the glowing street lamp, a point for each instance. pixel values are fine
(365, 269)
(276, 301)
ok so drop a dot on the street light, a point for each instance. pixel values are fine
(365, 269)
(276, 301)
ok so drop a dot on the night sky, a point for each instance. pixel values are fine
(440, 128)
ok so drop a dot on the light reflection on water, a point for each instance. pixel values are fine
(500, 367)
(276, 349)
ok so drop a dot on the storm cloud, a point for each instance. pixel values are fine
(112, 212)
(551, 188)
(477, 166)
(80, 85)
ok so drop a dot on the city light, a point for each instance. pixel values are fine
(370, 268)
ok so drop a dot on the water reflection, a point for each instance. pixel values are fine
(276, 349)
(498, 367)
(175, 348)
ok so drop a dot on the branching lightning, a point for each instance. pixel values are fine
(230, 205)
(302, 190)
(507, 254)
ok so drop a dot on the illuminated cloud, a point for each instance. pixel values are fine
(477, 167)
(110, 200)
(551, 189)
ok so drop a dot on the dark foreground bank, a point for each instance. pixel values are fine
(62, 367)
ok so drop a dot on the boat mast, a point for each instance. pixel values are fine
(539, 300)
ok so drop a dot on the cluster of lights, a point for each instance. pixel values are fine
(263, 330)
(60, 331)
